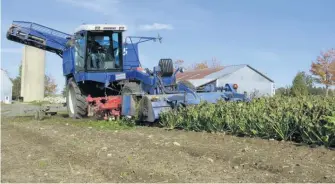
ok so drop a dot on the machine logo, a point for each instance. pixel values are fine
(125, 51)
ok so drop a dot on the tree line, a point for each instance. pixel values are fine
(322, 72)
(303, 85)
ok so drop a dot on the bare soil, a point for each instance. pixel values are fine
(37, 151)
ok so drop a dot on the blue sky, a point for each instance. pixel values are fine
(277, 37)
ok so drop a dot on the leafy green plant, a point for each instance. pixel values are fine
(308, 119)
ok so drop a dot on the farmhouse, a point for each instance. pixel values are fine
(247, 78)
(6, 88)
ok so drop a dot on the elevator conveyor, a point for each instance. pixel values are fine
(39, 36)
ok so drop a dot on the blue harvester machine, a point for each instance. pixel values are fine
(104, 77)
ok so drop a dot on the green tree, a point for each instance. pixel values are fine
(283, 91)
(324, 69)
(16, 91)
(309, 80)
(300, 85)
(64, 91)
(50, 86)
(321, 91)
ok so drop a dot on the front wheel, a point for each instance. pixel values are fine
(76, 101)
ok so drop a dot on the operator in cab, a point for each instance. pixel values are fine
(94, 49)
(102, 51)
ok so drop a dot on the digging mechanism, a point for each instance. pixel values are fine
(104, 77)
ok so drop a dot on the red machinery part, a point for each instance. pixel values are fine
(107, 107)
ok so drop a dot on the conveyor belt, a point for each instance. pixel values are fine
(39, 36)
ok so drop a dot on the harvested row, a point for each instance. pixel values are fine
(309, 119)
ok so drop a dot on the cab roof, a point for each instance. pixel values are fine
(101, 27)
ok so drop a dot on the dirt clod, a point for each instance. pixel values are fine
(211, 160)
(176, 144)
(245, 149)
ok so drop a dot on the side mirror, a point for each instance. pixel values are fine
(182, 69)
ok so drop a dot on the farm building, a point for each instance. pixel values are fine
(6, 88)
(247, 78)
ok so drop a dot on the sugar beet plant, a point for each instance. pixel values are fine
(309, 119)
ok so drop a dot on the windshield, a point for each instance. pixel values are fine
(103, 50)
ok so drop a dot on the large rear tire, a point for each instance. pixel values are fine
(134, 90)
(166, 66)
(145, 110)
(75, 100)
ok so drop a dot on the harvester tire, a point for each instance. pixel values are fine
(166, 67)
(75, 100)
(145, 110)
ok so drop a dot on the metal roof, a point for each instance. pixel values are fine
(197, 74)
(227, 70)
(260, 73)
(203, 76)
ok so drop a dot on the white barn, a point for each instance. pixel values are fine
(6, 88)
(247, 78)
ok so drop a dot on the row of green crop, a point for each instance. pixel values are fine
(309, 119)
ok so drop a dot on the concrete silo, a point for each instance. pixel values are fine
(33, 70)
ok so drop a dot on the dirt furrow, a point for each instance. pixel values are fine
(45, 152)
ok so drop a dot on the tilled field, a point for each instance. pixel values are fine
(36, 151)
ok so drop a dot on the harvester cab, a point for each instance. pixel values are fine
(104, 76)
(98, 48)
